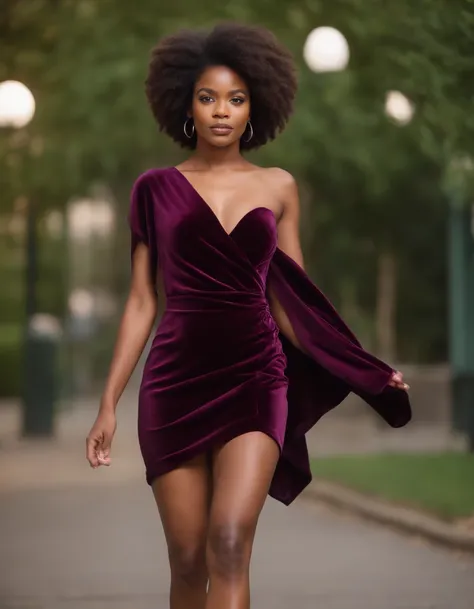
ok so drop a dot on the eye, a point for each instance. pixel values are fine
(237, 100)
(205, 99)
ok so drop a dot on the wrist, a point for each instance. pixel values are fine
(107, 405)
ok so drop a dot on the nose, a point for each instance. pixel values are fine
(221, 110)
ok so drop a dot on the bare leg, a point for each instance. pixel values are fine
(183, 500)
(243, 470)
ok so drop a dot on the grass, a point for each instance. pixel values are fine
(441, 483)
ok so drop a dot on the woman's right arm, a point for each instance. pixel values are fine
(134, 330)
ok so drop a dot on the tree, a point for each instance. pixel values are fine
(372, 190)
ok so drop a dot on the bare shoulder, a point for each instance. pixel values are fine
(285, 187)
(280, 178)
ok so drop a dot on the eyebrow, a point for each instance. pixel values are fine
(211, 91)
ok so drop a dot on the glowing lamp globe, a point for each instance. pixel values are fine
(17, 104)
(326, 50)
(398, 107)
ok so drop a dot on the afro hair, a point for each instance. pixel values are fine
(252, 52)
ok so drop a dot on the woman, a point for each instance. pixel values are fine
(249, 354)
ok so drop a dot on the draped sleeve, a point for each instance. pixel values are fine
(141, 220)
(334, 365)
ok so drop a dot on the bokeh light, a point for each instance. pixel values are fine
(17, 104)
(399, 108)
(326, 50)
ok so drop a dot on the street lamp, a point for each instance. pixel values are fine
(17, 108)
(17, 104)
(458, 185)
(398, 107)
(458, 179)
(326, 50)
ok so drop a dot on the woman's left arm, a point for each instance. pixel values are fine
(288, 242)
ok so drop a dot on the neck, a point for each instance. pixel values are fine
(209, 157)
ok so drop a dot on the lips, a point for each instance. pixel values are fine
(221, 129)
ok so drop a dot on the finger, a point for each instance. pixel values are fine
(104, 450)
(400, 385)
(104, 456)
(398, 376)
(91, 451)
(398, 382)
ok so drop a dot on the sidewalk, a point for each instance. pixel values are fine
(43, 463)
(91, 539)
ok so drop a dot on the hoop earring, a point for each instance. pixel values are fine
(185, 128)
(251, 132)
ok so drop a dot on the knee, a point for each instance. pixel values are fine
(228, 549)
(188, 564)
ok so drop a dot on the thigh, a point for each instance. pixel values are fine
(242, 470)
(183, 500)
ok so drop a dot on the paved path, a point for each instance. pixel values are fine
(73, 538)
(101, 547)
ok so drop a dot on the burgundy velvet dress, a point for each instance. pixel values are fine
(218, 366)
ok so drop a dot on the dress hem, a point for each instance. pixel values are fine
(223, 436)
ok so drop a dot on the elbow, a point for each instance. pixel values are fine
(146, 303)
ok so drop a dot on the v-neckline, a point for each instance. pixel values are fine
(212, 212)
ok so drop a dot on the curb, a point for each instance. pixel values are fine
(404, 519)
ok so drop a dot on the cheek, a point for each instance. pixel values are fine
(244, 112)
(243, 116)
(199, 109)
(195, 110)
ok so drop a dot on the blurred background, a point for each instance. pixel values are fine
(382, 145)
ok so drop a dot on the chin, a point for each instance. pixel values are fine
(221, 141)
(223, 144)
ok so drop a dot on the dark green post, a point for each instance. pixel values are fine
(461, 301)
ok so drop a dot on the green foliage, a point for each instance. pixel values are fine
(438, 483)
(368, 186)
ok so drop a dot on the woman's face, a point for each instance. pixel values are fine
(220, 107)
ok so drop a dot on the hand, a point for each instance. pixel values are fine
(397, 381)
(99, 439)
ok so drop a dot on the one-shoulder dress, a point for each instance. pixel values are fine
(218, 366)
